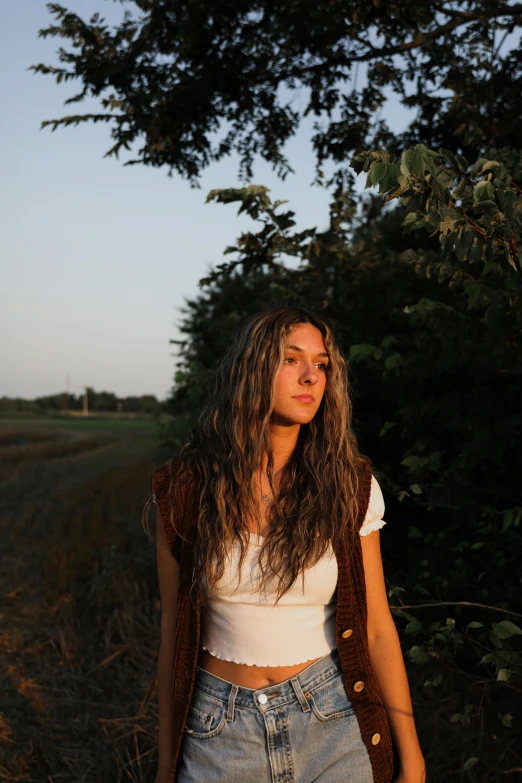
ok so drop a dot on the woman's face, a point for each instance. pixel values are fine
(301, 382)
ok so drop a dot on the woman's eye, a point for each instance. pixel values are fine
(292, 360)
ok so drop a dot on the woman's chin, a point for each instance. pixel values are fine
(292, 418)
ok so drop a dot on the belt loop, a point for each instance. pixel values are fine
(231, 702)
(300, 695)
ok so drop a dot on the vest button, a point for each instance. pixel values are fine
(347, 633)
(376, 738)
(358, 686)
(262, 698)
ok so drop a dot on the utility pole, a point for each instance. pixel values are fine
(68, 382)
(85, 403)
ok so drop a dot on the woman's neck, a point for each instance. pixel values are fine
(283, 439)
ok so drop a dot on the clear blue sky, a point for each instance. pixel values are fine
(98, 257)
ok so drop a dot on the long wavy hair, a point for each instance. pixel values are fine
(316, 499)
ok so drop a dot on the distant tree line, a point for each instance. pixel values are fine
(99, 402)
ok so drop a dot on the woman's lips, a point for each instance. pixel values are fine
(304, 398)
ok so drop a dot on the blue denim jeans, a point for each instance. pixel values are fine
(302, 730)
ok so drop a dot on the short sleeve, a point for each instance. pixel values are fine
(374, 515)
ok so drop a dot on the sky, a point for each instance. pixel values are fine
(98, 258)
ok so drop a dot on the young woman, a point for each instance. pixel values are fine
(279, 659)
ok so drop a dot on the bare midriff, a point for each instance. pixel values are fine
(249, 676)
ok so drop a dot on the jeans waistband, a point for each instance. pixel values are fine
(293, 689)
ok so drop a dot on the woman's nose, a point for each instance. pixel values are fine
(310, 375)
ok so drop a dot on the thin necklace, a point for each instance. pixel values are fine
(266, 498)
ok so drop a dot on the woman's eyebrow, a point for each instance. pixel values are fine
(296, 348)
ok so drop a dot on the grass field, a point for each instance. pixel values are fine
(80, 610)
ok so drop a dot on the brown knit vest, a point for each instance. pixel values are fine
(351, 621)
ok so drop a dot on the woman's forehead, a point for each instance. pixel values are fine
(306, 337)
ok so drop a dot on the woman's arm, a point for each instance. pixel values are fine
(168, 577)
(388, 665)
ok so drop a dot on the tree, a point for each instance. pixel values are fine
(200, 80)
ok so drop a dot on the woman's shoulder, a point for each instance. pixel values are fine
(173, 472)
(170, 481)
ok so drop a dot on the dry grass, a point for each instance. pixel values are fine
(80, 609)
(15, 436)
(48, 446)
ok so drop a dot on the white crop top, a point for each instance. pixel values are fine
(242, 625)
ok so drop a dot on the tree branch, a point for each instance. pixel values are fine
(462, 19)
(457, 603)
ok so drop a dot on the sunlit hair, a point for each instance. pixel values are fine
(317, 496)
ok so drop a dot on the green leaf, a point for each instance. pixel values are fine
(377, 172)
(470, 762)
(410, 219)
(405, 162)
(393, 361)
(474, 624)
(414, 626)
(449, 155)
(477, 250)
(480, 191)
(435, 682)
(363, 351)
(416, 489)
(414, 462)
(391, 176)
(505, 628)
(506, 719)
(503, 675)
(447, 225)
(418, 654)
(486, 207)
(462, 163)
(489, 164)
(417, 164)
(508, 519)
(463, 244)
(385, 427)
(496, 641)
